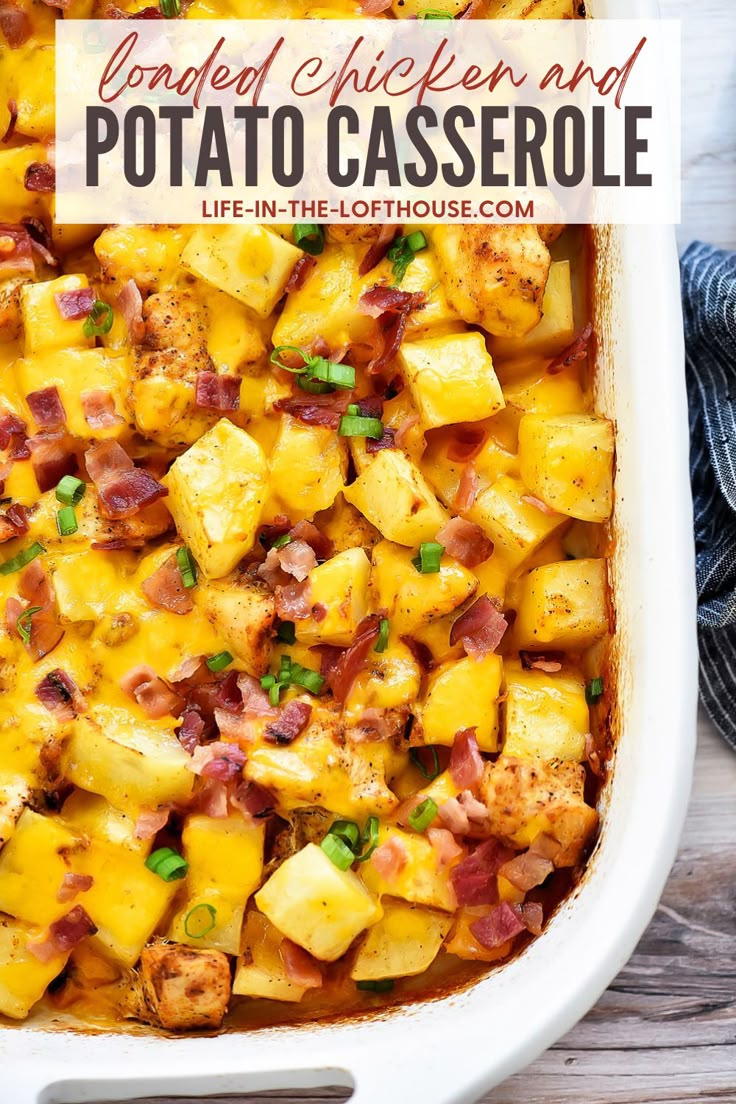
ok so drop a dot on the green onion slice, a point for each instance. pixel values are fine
(383, 630)
(337, 851)
(403, 251)
(594, 690)
(382, 985)
(369, 838)
(281, 541)
(309, 237)
(328, 371)
(70, 490)
(23, 624)
(187, 567)
(22, 559)
(428, 560)
(415, 754)
(354, 425)
(316, 374)
(168, 864)
(268, 681)
(66, 521)
(220, 661)
(100, 319)
(286, 633)
(313, 386)
(348, 831)
(423, 815)
(170, 9)
(285, 662)
(434, 13)
(303, 676)
(274, 692)
(200, 921)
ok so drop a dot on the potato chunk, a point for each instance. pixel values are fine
(260, 971)
(421, 880)
(567, 461)
(147, 254)
(451, 379)
(340, 585)
(251, 263)
(403, 943)
(242, 612)
(14, 793)
(494, 275)
(413, 599)
(184, 988)
(317, 905)
(556, 329)
(308, 466)
(32, 866)
(44, 326)
(396, 498)
(516, 527)
(563, 606)
(462, 694)
(23, 977)
(546, 714)
(75, 372)
(216, 491)
(325, 305)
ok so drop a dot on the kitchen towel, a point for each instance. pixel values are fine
(709, 303)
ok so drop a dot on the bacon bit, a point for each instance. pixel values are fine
(151, 821)
(72, 884)
(474, 879)
(122, 487)
(212, 799)
(378, 249)
(16, 253)
(372, 721)
(270, 570)
(532, 916)
(15, 25)
(467, 488)
(191, 730)
(500, 925)
(537, 503)
(300, 967)
(155, 698)
(99, 409)
(216, 392)
(59, 694)
(374, 7)
(532, 662)
(527, 870)
(129, 304)
(41, 242)
(421, 652)
(75, 305)
(466, 764)
(40, 177)
(63, 935)
(466, 443)
(188, 669)
(592, 755)
(11, 426)
(17, 515)
(382, 299)
(465, 542)
(256, 702)
(7, 529)
(322, 410)
(293, 602)
(47, 408)
(229, 694)
(351, 662)
(307, 531)
(389, 859)
(165, 588)
(46, 633)
(254, 801)
(51, 458)
(299, 273)
(577, 350)
(405, 428)
(35, 585)
(145, 13)
(480, 628)
(406, 808)
(218, 760)
(297, 558)
(319, 612)
(445, 845)
(546, 846)
(292, 720)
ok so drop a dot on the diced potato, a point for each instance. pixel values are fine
(28, 79)
(147, 254)
(183, 989)
(403, 943)
(90, 815)
(556, 329)
(260, 971)
(251, 263)
(242, 613)
(396, 498)
(14, 793)
(43, 325)
(216, 490)
(529, 796)
(317, 905)
(491, 462)
(32, 868)
(435, 635)
(308, 466)
(451, 379)
(535, 391)
(531, 9)
(461, 694)
(440, 789)
(23, 977)
(340, 585)
(346, 527)
(389, 680)
(129, 760)
(421, 880)
(75, 372)
(410, 598)
(567, 461)
(225, 857)
(16, 202)
(516, 527)
(494, 275)
(563, 606)
(325, 305)
(546, 714)
(436, 316)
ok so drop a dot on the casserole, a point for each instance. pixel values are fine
(524, 1005)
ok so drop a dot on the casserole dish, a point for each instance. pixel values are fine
(523, 1006)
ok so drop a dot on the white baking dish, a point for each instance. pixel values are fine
(451, 1050)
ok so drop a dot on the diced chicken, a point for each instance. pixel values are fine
(181, 988)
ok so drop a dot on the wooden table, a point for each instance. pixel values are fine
(665, 1031)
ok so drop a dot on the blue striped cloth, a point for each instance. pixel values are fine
(709, 301)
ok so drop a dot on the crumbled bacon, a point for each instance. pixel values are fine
(480, 628)
(532, 916)
(466, 763)
(58, 693)
(527, 870)
(112, 12)
(530, 661)
(501, 924)
(308, 532)
(321, 410)
(11, 427)
(41, 242)
(300, 967)
(15, 24)
(213, 391)
(299, 273)
(445, 845)
(17, 516)
(63, 935)
(165, 588)
(297, 558)
(75, 305)
(465, 542)
(474, 879)
(99, 410)
(384, 298)
(467, 488)
(378, 249)
(212, 799)
(532, 500)
(47, 408)
(73, 884)
(151, 821)
(292, 720)
(16, 254)
(45, 631)
(389, 859)
(129, 304)
(254, 801)
(191, 730)
(351, 662)
(51, 458)
(219, 760)
(420, 651)
(40, 177)
(293, 602)
(122, 487)
(256, 702)
(155, 698)
(405, 429)
(577, 350)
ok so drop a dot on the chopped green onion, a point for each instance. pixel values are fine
(382, 985)
(170, 9)
(428, 560)
(66, 521)
(383, 630)
(168, 864)
(354, 425)
(23, 624)
(274, 693)
(594, 691)
(423, 815)
(434, 13)
(281, 541)
(348, 831)
(187, 567)
(309, 237)
(338, 852)
(310, 680)
(279, 349)
(22, 559)
(220, 661)
(70, 490)
(286, 633)
(316, 374)
(370, 837)
(100, 319)
(328, 371)
(313, 386)
(415, 754)
(353, 408)
(200, 921)
(268, 681)
(403, 252)
(285, 666)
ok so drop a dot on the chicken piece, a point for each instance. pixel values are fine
(528, 797)
(180, 988)
(550, 232)
(174, 320)
(494, 275)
